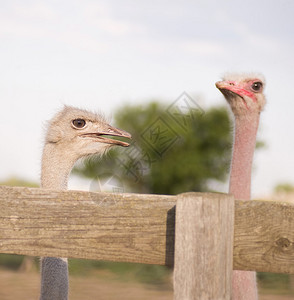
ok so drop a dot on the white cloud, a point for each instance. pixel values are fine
(28, 21)
(81, 40)
(100, 16)
(112, 26)
(200, 47)
(14, 28)
(34, 11)
(255, 39)
(43, 23)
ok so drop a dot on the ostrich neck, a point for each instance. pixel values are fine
(244, 146)
(244, 282)
(56, 166)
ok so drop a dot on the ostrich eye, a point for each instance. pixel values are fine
(256, 86)
(79, 123)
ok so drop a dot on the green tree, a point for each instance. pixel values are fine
(169, 154)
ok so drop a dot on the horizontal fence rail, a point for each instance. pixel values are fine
(134, 228)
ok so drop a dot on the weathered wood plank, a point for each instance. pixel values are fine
(204, 247)
(134, 228)
(118, 227)
(264, 236)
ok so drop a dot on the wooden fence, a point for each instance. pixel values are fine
(204, 235)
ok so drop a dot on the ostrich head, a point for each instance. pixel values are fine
(81, 133)
(243, 92)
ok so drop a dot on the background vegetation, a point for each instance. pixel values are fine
(170, 153)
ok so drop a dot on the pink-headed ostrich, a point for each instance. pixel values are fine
(72, 134)
(244, 93)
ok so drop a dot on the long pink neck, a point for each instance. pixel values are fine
(244, 282)
(244, 146)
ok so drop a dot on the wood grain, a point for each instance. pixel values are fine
(264, 236)
(204, 246)
(134, 228)
(117, 227)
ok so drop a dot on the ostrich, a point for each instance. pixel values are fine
(244, 93)
(72, 134)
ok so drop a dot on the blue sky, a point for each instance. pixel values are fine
(101, 54)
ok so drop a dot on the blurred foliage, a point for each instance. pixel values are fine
(15, 181)
(10, 261)
(148, 274)
(168, 154)
(284, 188)
(275, 283)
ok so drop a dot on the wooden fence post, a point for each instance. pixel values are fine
(204, 246)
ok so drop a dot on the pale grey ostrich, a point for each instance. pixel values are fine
(72, 134)
(244, 93)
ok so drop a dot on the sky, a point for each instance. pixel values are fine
(100, 55)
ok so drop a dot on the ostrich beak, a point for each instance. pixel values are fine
(110, 131)
(230, 88)
(227, 89)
